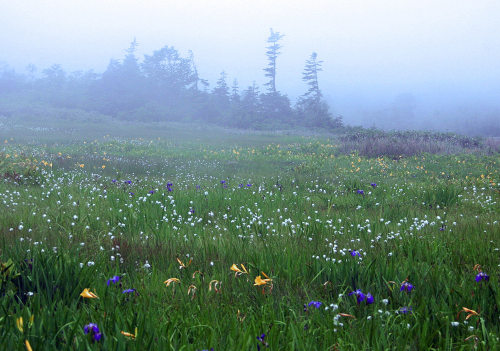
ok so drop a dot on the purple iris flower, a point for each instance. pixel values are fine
(405, 310)
(406, 286)
(114, 280)
(482, 276)
(223, 182)
(316, 304)
(113, 181)
(94, 330)
(241, 185)
(151, 191)
(355, 253)
(369, 299)
(128, 182)
(128, 291)
(261, 339)
(361, 192)
(131, 193)
(360, 297)
(249, 185)
(191, 210)
(374, 185)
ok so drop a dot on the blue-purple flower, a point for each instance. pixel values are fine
(405, 310)
(482, 276)
(128, 291)
(360, 296)
(355, 253)
(93, 329)
(262, 341)
(361, 192)
(406, 286)
(316, 304)
(374, 185)
(114, 280)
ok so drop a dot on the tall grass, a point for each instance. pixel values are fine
(288, 207)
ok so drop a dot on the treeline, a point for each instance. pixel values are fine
(165, 86)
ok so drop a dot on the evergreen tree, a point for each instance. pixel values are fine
(221, 90)
(310, 76)
(235, 92)
(272, 54)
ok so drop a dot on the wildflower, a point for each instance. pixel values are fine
(223, 182)
(374, 185)
(151, 191)
(360, 296)
(405, 310)
(406, 286)
(482, 276)
(361, 192)
(216, 285)
(86, 293)
(249, 185)
(171, 280)
(237, 270)
(355, 253)
(182, 265)
(469, 311)
(455, 324)
(259, 281)
(28, 346)
(129, 335)
(261, 339)
(316, 304)
(192, 289)
(128, 291)
(94, 330)
(20, 324)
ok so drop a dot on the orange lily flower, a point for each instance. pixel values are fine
(171, 280)
(192, 289)
(182, 265)
(237, 270)
(259, 281)
(20, 324)
(130, 335)
(28, 346)
(469, 311)
(217, 285)
(86, 293)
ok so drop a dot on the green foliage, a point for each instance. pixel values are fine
(290, 207)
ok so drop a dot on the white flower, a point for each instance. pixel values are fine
(454, 324)
(385, 301)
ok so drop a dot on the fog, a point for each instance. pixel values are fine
(390, 64)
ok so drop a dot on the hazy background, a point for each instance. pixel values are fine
(436, 61)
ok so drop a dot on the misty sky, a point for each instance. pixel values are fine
(441, 51)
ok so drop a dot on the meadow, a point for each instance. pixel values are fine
(207, 239)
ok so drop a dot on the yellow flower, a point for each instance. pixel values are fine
(171, 280)
(469, 311)
(259, 281)
(237, 270)
(182, 265)
(20, 324)
(86, 293)
(103, 166)
(130, 335)
(81, 165)
(28, 346)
